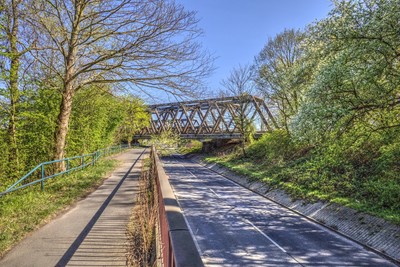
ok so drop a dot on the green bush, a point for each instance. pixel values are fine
(388, 161)
(384, 193)
(192, 146)
(273, 146)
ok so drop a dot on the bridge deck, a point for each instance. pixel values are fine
(205, 136)
(217, 118)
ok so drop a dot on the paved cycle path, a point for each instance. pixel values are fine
(93, 232)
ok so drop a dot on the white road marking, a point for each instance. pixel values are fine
(189, 171)
(187, 223)
(246, 220)
(191, 232)
(196, 177)
(265, 235)
(215, 193)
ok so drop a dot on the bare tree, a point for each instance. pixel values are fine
(240, 81)
(15, 42)
(240, 84)
(150, 44)
(277, 73)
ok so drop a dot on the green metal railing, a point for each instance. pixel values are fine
(71, 164)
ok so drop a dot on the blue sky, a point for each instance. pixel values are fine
(235, 31)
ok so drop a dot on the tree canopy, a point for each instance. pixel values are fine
(355, 82)
(72, 73)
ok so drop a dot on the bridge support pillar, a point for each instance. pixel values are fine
(216, 144)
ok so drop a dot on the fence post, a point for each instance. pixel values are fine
(42, 181)
(93, 156)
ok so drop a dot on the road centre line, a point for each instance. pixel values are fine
(215, 193)
(265, 235)
(243, 218)
(246, 220)
(191, 173)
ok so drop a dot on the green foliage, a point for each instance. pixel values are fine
(94, 121)
(190, 146)
(272, 147)
(344, 142)
(37, 121)
(3, 156)
(136, 117)
(355, 83)
(165, 141)
(246, 128)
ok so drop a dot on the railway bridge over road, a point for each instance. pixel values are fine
(217, 118)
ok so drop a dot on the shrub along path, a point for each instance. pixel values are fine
(91, 233)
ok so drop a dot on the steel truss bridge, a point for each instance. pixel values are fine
(210, 118)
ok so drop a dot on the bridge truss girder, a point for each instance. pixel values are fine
(210, 118)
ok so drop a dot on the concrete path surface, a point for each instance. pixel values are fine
(90, 234)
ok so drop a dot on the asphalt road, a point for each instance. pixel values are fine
(92, 233)
(233, 226)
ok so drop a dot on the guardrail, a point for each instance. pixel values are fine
(72, 163)
(177, 245)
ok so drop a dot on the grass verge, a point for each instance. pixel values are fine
(24, 211)
(257, 172)
(191, 146)
(349, 177)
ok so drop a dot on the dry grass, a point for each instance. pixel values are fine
(142, 225)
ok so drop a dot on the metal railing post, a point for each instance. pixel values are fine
(42, 181)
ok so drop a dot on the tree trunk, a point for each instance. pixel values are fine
(130, 139)
(244, 148)
(13, 157)
(60, 134)
(64, 115)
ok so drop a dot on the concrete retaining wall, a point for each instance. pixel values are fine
(371, 231)
(178, 247)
